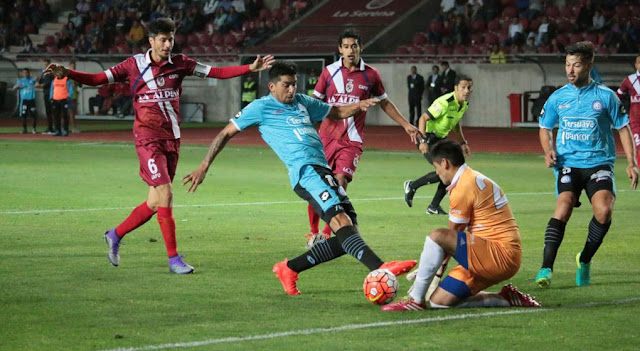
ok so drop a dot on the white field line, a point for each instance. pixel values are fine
(436, 319)
(262, 203)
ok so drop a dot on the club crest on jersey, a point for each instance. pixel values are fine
(596, 106)
(349, 87)
(160, 81)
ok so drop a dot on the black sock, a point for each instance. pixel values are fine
(597, 231)
(553, 236)
(439, 195)
(322, 251)
(24, 123)
(426, 179)
(354, 245)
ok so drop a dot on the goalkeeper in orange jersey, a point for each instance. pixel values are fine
(487, 254)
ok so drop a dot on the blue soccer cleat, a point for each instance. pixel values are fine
(177, 266)
(583, 274)
(543, 279)
(113, 242)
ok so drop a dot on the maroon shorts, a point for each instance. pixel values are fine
(342, 156)
(158, 160)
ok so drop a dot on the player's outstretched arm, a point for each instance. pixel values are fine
(546, 137)
(92, 79)
(346, 111)
(629, 150)
(195, 178)
(392, 111)
(262, 63)
(55, 68)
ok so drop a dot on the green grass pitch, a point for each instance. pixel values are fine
(58, 291)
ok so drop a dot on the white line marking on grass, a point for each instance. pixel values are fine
(261, 203)
(363, 326)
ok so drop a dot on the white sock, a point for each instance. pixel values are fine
(484, 299)
(435, 305)
(430, 260)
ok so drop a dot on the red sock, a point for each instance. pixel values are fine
(168, 229)
(314, 219)
(327, 229)
(139, 216)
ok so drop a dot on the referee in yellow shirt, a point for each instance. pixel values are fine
(442, 117)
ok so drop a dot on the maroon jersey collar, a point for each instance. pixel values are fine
(148, 59)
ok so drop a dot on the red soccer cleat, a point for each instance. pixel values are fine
(405, 304)
(399, 268)
(287, 277)
(516, 298)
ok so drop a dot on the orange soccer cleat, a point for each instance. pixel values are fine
(405, 304)
(516, 298)
(287, 277)
(399, 268)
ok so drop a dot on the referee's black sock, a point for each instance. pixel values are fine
(322, 251)
(354, 245)
(553, 236)
(439, 195)
(597, 231)
(426, 179)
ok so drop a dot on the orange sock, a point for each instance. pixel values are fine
(168, 229)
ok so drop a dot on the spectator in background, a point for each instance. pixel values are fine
(123, 23)
(234, 20)
(446, 6)
(459, 8)
(460, 30)
(496, 55)
(77, 19)
(415, 85)
(135, 35)
(491, 9)
(73, 101)
(186, 25)
(434, 84)
(250, 90)
(103, 100)
(585, 16)
(220, 20)
(448, 78)
(27, 87)
(64, 39)
(312, 80)
(83, 45)
(474, 10)
(534, 10)
(530, 47)
(209, 8)
(252, 8)
(598, 22)
(27, 45)
(224, 5)
(239, 6)
(59, 94)
(556, 47)
(544, 32)
(44, 82)
(630, 29)
(122, 101)
(516, 33)
(627, 45)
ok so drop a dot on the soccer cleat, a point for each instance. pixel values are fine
(33, 131)
(177, 265)
(287, 277)
(516, 298)
(583, 274)
(435, 210)
(313, 239)
(405, 304)
(409, 192)
(113, 242)
(399, 268)
(24, 131)
(543, 279)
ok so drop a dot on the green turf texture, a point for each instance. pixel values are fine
(58, 291)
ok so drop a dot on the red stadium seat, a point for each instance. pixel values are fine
(277, 13)
(52, 50)
(477, 38)
(475, 50)
(435, 26)
(601, 38)
(525, 24)
(264, 14)
(49, 40)
(603, 50)
(566, 11)
(491, 39)
(544, 49)
(192, 40)
(230, 40)
(494, 25)
(430, 50)
(444, 50)
(510, 12)
(460, 50)
(563, 25)
(180, 39)
(478, 25)
(575, 37)
(552, 12)
(418, 39)
(29, 29)
(563, 38)
(592, 37)
(402, 50)
(217, 38)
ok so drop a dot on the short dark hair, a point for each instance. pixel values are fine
(461, 77)
(161, 25)
(46, 60)
(350, 33)
(282, 68)
(583, 49)
(444, 63)
(449, 149)
(26, 69)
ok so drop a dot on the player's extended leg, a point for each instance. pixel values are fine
(434, 207)
(411, 186)
(602, 202)
(553, 235)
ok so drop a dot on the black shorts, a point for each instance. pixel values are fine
(28, 108)
(431, 140)
(319, 187)
(588, 179)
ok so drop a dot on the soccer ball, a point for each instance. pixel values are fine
(380, 286)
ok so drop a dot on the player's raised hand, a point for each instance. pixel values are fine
(550, 158)
(632, 173)
(414, 133)
(194, 179)
(363, 105)
(262, 63)
(55, 68)
(466, 150)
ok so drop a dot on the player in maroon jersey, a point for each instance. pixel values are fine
(343, 82)
(631, 86)
(155, 80)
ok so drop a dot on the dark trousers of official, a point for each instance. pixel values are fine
(60, 114)
(415, 109)
(47, 109)
(94, 102)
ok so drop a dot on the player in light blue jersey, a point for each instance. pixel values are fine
(27, 87)
(583, 157)
(285, 121)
